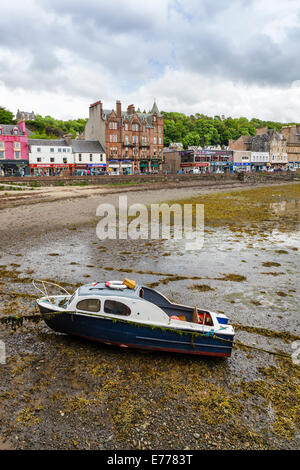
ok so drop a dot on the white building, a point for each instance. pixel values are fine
(260, 160)
(49, 157)
(89, 155)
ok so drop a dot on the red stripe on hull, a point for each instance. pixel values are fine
(134, 346)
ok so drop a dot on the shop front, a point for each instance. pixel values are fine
(259, 166)
(126, 166)
(195, 168)
(241, 166)
(114, 167)
(50, 169)
(219, 167)
(14, 168)
(81, 169)
(155, 166)
(144, 166)
(96, 168)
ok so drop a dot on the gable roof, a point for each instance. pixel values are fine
(87, 146)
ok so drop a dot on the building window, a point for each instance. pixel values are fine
(113, 125)
(101, 157)
(154, 152)
(59, 149)
(79, 157)
(113, 138)
(16, 132)
(1, 131)
(159, 130)
(91, 157)
(159, 140)
(1, 154)
(65, 160)
(126, 140)
(154, 140)
(38, 149)
(126, 126)
(64, 150)
(135, 127)
(17, 155)
(52, 159)
(51, 149)
(154, 118)
(38, 159)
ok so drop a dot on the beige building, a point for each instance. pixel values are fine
(265, 141)
(292, 136)
(241, 160)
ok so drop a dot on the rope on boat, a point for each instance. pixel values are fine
(17, 321)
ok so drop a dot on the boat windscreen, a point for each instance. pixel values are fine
(71, 298)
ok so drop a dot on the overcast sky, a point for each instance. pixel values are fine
(231, 57)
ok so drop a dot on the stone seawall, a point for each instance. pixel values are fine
(155, 179)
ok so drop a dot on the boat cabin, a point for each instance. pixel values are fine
(141, 303)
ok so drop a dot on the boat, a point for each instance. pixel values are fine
(129, 315)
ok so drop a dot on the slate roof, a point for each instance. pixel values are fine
(87, 146)
(48, 142)
(8, 129)
(142, 116)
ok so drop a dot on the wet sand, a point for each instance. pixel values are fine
(59, 392)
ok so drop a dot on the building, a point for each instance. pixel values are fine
(89, 155)
(265, 141)
(133, 141)
(206, 161)
(50, 157)
(292, 136)
(176, 146)
(260, 161)
(242, 160)
(172, 160)
(25, 116)
(13, 149)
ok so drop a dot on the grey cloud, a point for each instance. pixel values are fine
(134, 43)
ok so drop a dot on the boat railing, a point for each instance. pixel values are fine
(43, 289)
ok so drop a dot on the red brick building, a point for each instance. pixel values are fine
(133, 140)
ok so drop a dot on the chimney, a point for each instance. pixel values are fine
(68, 139)
(131, 109)
(118, 108)
(22, 126)
(262, 130)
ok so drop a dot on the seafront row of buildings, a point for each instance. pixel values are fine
(117, 141)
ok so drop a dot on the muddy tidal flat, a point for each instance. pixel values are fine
(61, 392)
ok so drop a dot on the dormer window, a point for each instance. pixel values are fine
(16, 131)
(1, 131)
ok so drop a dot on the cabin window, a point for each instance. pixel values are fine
(89, 305)
(117, 308)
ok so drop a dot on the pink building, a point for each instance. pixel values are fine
(13, 149)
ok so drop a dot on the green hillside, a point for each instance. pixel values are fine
(197, 129)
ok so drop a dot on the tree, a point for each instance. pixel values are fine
(6, 116)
